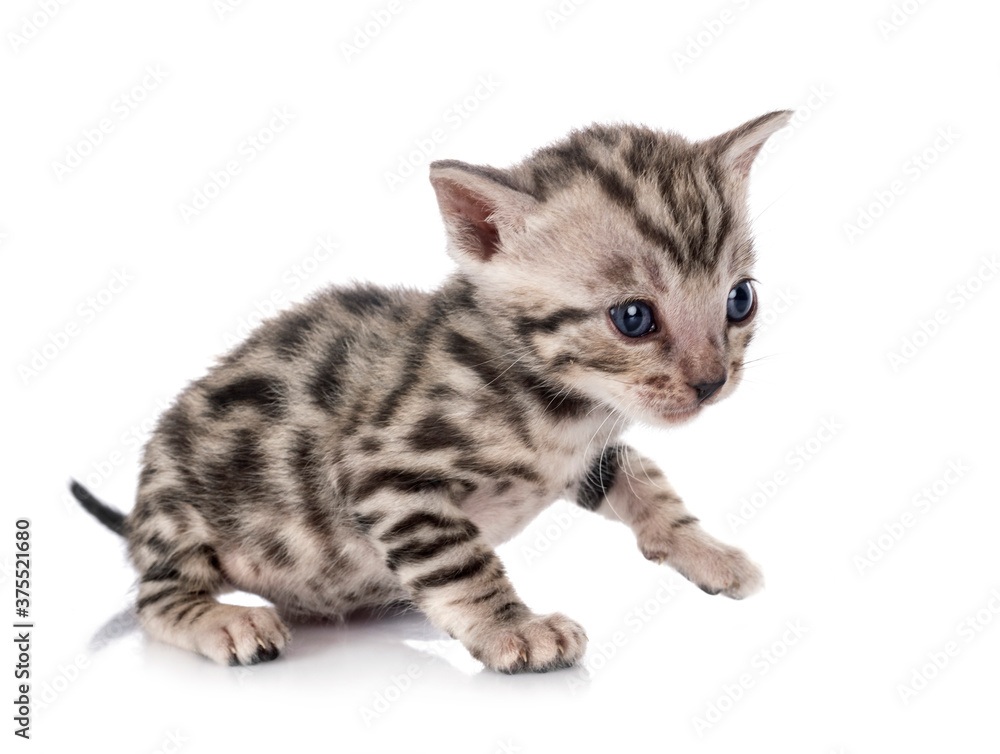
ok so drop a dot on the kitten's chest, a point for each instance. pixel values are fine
(561, 455)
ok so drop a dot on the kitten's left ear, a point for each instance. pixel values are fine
(480, 205)
(738, 148)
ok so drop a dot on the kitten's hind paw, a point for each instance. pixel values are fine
(537, 643)
(236, 635)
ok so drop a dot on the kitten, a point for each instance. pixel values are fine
(373, 446)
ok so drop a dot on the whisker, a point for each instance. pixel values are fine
(503, 372)
(760, 358)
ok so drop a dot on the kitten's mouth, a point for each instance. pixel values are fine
(659, 409)
(678, 415)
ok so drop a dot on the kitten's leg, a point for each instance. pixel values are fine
(177, 605)
(624, 486)
(457, 580)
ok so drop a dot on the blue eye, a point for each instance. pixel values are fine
(633, 319)
(742, 303)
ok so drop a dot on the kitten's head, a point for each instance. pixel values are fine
(619, 260)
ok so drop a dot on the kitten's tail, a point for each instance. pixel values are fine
(111, 518)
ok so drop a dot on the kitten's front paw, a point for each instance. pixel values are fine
(712, 566)
(536, 643)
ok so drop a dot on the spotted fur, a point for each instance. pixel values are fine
(373, 445)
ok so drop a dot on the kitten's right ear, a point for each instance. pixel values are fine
(480, 206)
(738, 148)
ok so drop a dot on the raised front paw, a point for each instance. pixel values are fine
(536, 643)
(713, 566)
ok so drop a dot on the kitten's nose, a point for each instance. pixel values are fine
(706, 390)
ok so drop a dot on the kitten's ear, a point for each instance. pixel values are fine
(480, 205)
(738, 148)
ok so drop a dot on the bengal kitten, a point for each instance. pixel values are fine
(374, 445)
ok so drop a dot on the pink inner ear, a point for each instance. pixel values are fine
(473, 212)
(744, 161)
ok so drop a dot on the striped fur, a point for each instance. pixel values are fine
(372, 446)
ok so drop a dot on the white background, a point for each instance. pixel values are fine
(902, 99)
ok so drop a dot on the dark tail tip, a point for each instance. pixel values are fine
(114, 520)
